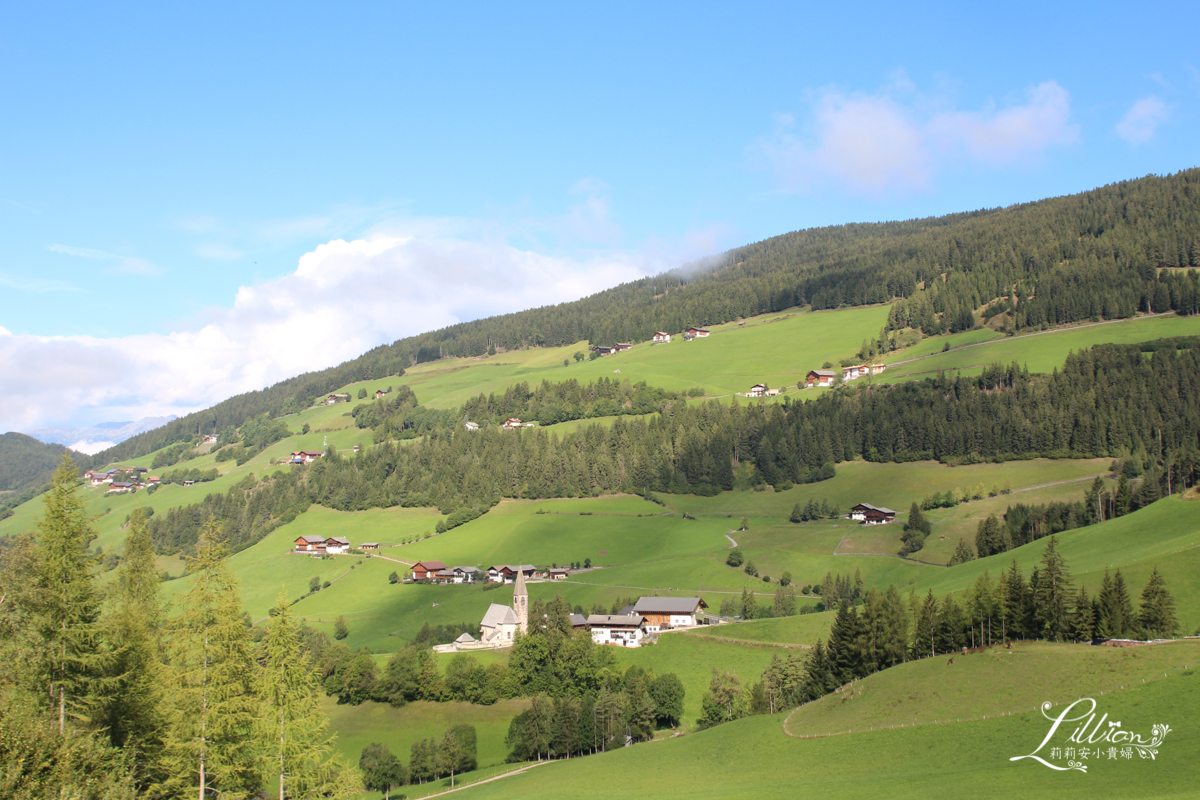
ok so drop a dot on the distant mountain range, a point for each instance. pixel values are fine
(99, 436)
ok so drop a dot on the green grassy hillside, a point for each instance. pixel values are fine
(754, 758)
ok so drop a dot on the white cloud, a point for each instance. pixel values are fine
(24, 283)
(1142, 120)
(894, 141)
(344, 298)
(123, 265)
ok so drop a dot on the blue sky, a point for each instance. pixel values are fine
(174, 184)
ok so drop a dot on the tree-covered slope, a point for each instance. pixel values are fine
(1096, 254)
(26, 463)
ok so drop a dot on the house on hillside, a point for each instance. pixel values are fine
(471, 426)
(662, 613)
(619, 346)
(426, 570)
(601, 350)
(97, 478)
(444, 576)
(578, 621)
(309, 544)
(121, 488)
(507, 573)
(622, 631)
(512, 423)
(209, 438)
(368, 547)
(337, 398)
(662, 337)
(464, 574)
(697, 333)
(820, 377)
(872, 515)
(860, 370)
(151, 480)
(380, 393)
(337, 545)
(189, 483)
(757, 390)
(304, 457)
(559, 574)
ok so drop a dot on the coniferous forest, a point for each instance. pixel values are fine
(1108, 401)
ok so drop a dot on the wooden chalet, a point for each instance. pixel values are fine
(820, 377)
(668, 612)
(602, 350)
(337, 398)
(757, 390)
(304, 457)
(368, 547)
(662, 337)
(559, 574)
(698, 333)
(380, 393)
(512, 423)
(337, 545)
(309, 544)
(872, 515)
(619, 346)
(426, 570)
(471, 426)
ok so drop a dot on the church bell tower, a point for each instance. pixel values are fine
(521, 601)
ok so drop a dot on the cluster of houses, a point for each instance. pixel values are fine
(628, 628)
(437, 572)
(660, 337)
(337, 398)
(826, 377)
(761, 390)
(872, 515)
(328, 545)
(510, 424)
(137, 478)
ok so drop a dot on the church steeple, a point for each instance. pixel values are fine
(521, 601)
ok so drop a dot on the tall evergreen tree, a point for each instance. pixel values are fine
(135, 714)
(293, 733)
(1157, 618)
(74, 661)
(1052, 595)
(212, 741)
(1083, 619)
(845, 646)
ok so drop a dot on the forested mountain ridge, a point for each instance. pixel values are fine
(26, 463)
(1091, 255)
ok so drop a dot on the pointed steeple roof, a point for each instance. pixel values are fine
(520, 585)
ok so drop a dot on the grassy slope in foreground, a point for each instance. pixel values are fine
(753, 758)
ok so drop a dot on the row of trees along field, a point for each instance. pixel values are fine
(885, 631)
(401, 417)
(1097, 254)
(103, 695)
(1110, 400)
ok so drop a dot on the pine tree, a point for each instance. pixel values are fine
(963, 553)
(925, 627)
(1122, 606)
(135, 714)
(1083, 620)
(844, 648)
(1157, 617)
(292, 728)
(213, 711)
(1052, 594)
(74, 663)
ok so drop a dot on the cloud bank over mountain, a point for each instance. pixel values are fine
(344, 298)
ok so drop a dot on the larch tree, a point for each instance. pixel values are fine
(68, 604)
(135, 715)
(212, 742)
(292, 728)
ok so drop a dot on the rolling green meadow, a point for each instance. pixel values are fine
(755, 758)
(678, 546)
